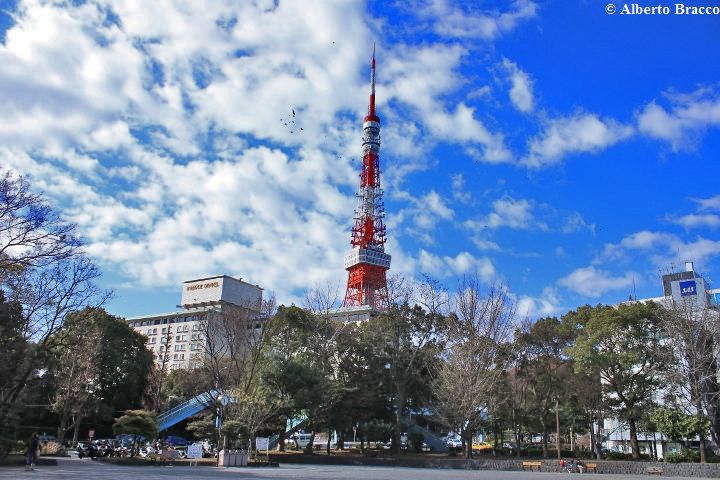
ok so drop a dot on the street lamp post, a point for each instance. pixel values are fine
(218, 425)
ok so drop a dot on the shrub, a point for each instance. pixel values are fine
(415, 439)
(683, 455)
(6, 446)
(618, 456)
(52, 448)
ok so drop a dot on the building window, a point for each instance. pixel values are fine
(164, 330)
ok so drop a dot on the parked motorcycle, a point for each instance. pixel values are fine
(86, 450)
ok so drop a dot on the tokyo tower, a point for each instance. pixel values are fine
(367, 262)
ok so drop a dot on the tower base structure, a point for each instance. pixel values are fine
(356, 314)
(367, 282)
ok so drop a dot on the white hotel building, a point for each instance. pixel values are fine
(180, 338)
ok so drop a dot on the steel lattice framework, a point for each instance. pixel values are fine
(367, 261)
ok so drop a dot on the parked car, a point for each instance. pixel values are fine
(176, 441)
(481, 446)
(454, 443)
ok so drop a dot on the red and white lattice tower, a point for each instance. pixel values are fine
(367, 261)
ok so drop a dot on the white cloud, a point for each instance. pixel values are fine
(712, 203)
(548, 304)
(157, 129)
(509, 212)
(521, 90)
(422, 216)
(461, 264)
(698, 220)
(594, 283)
(688, 116)
(485, 244)
(575, 223)
(461, 21)
(579, 133)
(458, 188)
(461, 126)
(662, 249)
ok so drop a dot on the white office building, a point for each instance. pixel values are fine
(679, 288)
(181, 339)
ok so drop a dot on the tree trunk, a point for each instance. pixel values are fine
(395, 444)
(467, 439)
(557, 429)
(714, 414)
(76, 429)
(327, 447)
(63, 427)
(495, 440)
(633, 439)
(598, 443)
(593, 439)
(341, 441)
(703, 459)
(309, 447)
(545, 452)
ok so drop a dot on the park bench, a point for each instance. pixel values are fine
(654, 470)
(371, 452)
(531, 465)
(591, 467)
(166, 455)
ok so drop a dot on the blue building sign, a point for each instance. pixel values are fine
(688, 288)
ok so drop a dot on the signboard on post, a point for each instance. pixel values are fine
(194, 450)
(262, 443)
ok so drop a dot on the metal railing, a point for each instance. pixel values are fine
(184, 410)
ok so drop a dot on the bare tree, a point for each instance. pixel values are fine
(74, 375)
(693, 372)
(475, 358)
(44, 275)
(233, 342)
(159, 373)
(46, 295)
(400, 290)
(31, 233)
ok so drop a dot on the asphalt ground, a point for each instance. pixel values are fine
(86, 469)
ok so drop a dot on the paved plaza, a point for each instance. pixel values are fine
(87, 469)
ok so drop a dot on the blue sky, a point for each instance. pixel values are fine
(567, 153)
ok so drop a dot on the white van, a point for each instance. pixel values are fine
(301, 440)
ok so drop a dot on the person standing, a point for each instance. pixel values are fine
(32, 449)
